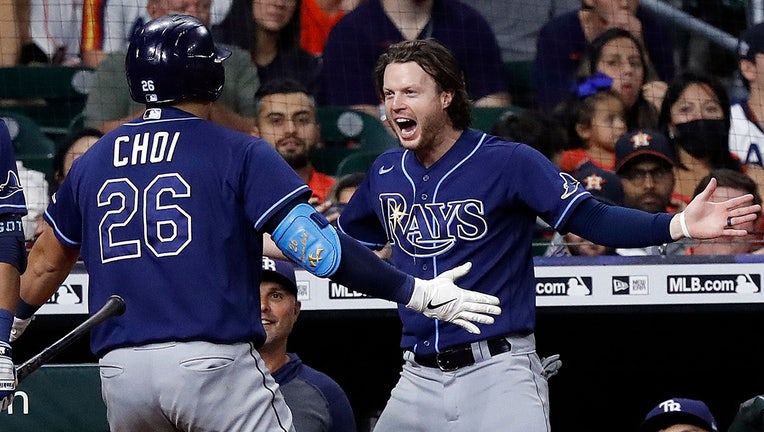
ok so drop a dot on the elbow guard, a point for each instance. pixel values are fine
(306, 237)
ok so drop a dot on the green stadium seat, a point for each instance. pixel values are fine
(483, 118)
(356, 162)
(30, 144)
(52, 96)
(520, 82)
(343, 127)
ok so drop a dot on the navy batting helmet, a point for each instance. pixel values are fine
(173, 58)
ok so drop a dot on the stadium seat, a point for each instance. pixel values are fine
(483, 118)
(30, 144)
(356, 162)
(343, 127)
(52, 96)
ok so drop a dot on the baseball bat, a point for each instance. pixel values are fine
(114, 306)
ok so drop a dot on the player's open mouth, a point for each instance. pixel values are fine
(266, 322)
(406, 126)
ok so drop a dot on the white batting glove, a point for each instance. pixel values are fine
(19, 325)
(441, 299)
(7, 376)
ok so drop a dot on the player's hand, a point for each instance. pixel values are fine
(19, 325)
(7, 376)
(441, 299)
(705, 219)
(551, 365)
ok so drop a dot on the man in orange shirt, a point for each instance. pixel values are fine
(285, 116)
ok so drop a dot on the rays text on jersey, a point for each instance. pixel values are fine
(429, 229)
(144, 148)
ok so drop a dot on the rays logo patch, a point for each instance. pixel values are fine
(11, 185)
(569, 184)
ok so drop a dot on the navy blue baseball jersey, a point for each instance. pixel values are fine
(11, 193)
(157, 224)
(477, 203)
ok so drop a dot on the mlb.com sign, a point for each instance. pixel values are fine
(714, 284)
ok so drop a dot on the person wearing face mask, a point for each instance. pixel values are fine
(695, 115)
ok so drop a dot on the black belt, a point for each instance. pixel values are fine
(461, 355)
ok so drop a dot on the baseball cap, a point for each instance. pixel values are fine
(280, 271)
(679, 411)
(751, 42)
(643, 142)
(602, 184)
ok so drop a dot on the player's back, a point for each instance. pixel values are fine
(164, 210)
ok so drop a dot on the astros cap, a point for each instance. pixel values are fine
(751, 42)
(679, 411)
(280, 271)
(602, 184)
(643, 142)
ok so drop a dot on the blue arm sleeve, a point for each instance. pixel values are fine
(363, 271)
(619, 226)
(359, 269)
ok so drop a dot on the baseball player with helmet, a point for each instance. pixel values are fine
(13, 259)
(451, 195)
(168, 212)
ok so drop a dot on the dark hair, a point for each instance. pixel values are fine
(680, 84)
(642, 114)
(65, 144)
(279, 86)
(238, 27)
(532, 128)
(674, 92)
(732, 179)
(348, 180)
(438, 62)
(576, 111)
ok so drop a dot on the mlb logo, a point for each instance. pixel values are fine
(152, 114)
(67, 295)
(152, 97)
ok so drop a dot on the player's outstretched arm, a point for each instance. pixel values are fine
(441, 299)
(49, 264)
(704, 219)
(307, 238)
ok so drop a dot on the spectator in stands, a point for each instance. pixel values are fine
(107, 25)
(532, 128)
(516, 23)
(593, 118)
(645, 160)
(606, 187)
(619, 55)
(729, 184)
(747, 128)
(693, 415)
(55, 28)
(562, 44)
(358, 39)
(341, 192)
(317, 402)
(695, 115)
(270, 31)
(317, 17)
(109, 104)
(72, 146)
(286, 118)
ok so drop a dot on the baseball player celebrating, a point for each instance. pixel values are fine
(168, 212)
(12, 259)
(453, 195)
